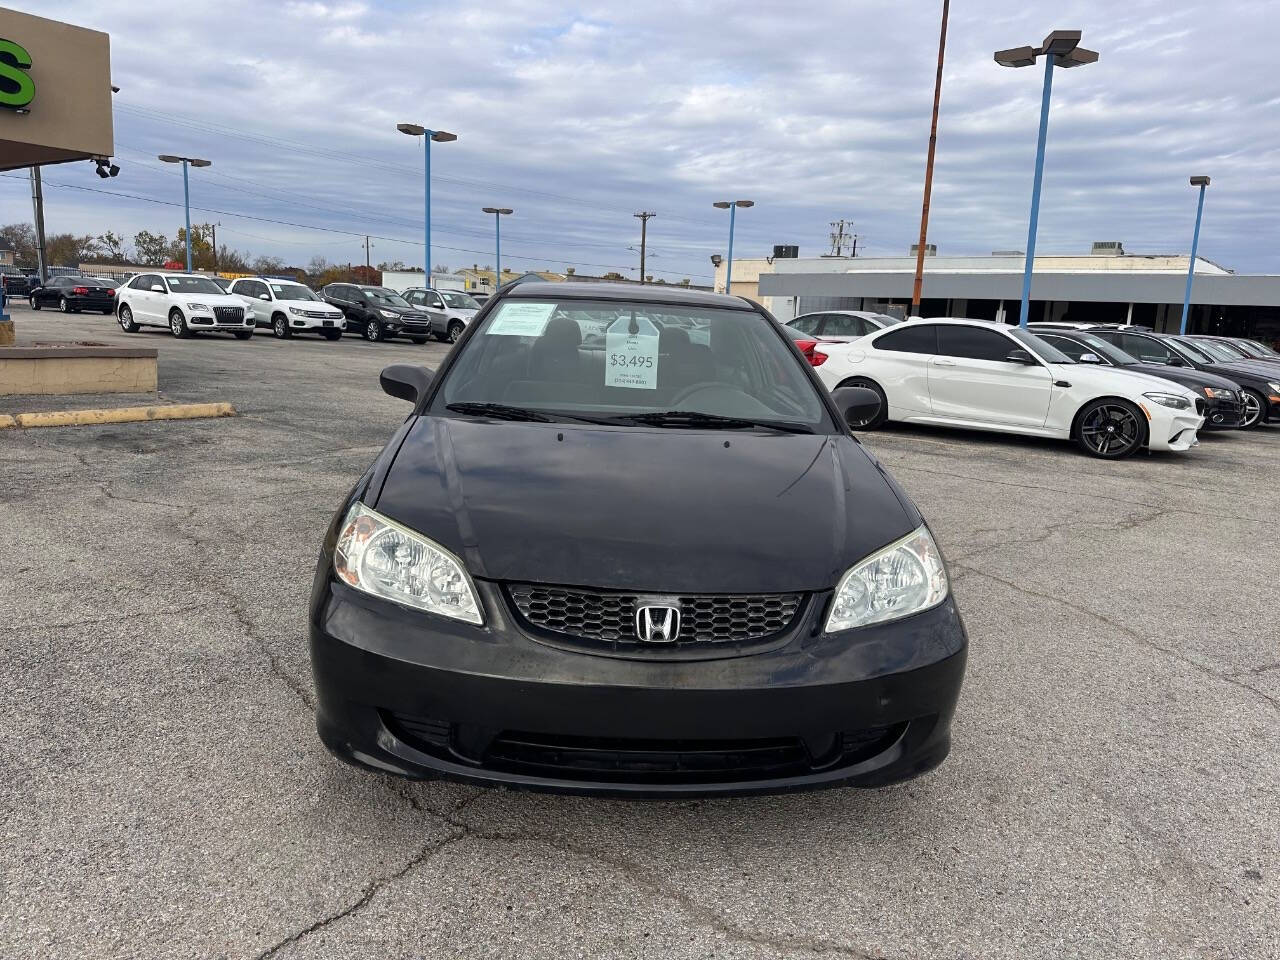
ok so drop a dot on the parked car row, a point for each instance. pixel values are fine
(1112, 390)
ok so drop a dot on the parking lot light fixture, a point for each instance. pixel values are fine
(498, 214)
(1061, 47)
(439, 136)
(732, 206)
(1201, 182)
(186, 190)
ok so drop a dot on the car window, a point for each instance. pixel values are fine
(415, 297)
(844, 325)
(384, 297)
(151, 280)
(1220, 351)
(1189, 349)
(290, 291)
(614, 360)
(808, 323)
(184, 284)
(972, 343)
(1144, 348)
(434, 300)
(922, 338)
(460, 301)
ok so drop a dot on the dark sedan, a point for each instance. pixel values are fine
(1223, 408)
(1260, 385)
(652, 561)
(74, 294)
(13, 282)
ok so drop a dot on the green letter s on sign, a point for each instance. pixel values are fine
(16, 88)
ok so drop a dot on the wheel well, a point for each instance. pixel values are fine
(1142, 421)
(859, 381)
(278, 314)
(177, 310)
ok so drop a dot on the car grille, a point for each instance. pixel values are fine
(1200, 406)
(602, 617)
(319, 315)
(229, 314)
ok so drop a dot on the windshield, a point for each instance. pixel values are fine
(459, 301)
(106, 282)
(291, 291)
(1219, 350)
(1046, 351)
(192, 285)
(384, 297)
(1078, 344)
(1261, 348)
(619, 360)
(1190, 350)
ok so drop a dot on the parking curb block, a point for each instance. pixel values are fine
(87, 418)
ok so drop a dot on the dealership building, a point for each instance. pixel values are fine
(1107, 286)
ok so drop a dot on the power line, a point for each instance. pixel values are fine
(310, 226)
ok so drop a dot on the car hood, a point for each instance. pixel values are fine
(637, 508)
(1187, 376)
(307, 305)
(1249, 370)
(1121, 380)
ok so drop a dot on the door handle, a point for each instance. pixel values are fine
(943, 363)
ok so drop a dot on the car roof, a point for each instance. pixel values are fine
(645, 293)
(956, 321)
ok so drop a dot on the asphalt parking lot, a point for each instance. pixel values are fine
(1113, 790)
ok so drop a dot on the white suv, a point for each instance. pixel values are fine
(450, 310)
(288, 308)
(183, 302)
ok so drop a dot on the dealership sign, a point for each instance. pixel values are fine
(17, 90)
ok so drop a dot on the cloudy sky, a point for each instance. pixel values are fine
(578, 115)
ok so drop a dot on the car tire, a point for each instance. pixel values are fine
(35, 304)
(126, 319)
(63, 305)
(455, 331)
(243, 334)
(1110, 428)
(280, 327)
(881, 418)
(331, 335)
(1255, 409)
(419, 340)
(178, 324)
(372, 331)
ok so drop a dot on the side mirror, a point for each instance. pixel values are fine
(1089, 358)
(406, 381)
(157, 288)
(860, 405)
(1021, 356)
(1174, 362)
(265, 296)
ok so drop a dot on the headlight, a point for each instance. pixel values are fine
(387, 560)
(390, 314)
(1275, 387)
(1169, 400)
(903, 578)
(297, 311)
(199, 306)
(1220, 393)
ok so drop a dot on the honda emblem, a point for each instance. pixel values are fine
(658, 623)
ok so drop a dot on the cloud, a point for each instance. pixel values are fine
(579, 115)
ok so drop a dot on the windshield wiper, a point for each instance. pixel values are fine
(694, 420)
(499, 411)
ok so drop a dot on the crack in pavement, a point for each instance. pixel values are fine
(114, 618)
(371, 890)
(1124, 523)
(1092, 494)
(250, 629)
(1126, 630)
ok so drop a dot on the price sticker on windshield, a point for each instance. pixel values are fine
(521, 320)
(631, 354)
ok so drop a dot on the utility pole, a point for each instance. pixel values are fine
(839, 238)
(37, 203)
(643, 217)
(928, 166)
(214, 228)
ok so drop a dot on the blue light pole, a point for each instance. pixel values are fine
(732, 206)
(186, 191)
(1200, 182)
(1061, 48)
(439, 136)
(498, 214)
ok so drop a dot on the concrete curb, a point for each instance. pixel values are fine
(86, 418)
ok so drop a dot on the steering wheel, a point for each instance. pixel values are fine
(693, 388)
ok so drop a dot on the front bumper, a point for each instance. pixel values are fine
(1170, 429)
(1220, 414)
(204, 321)
(317, 323)
(423, 696)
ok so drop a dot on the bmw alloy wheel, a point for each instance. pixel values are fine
(1110, 430)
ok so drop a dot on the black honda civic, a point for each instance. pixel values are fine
(625, 543)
